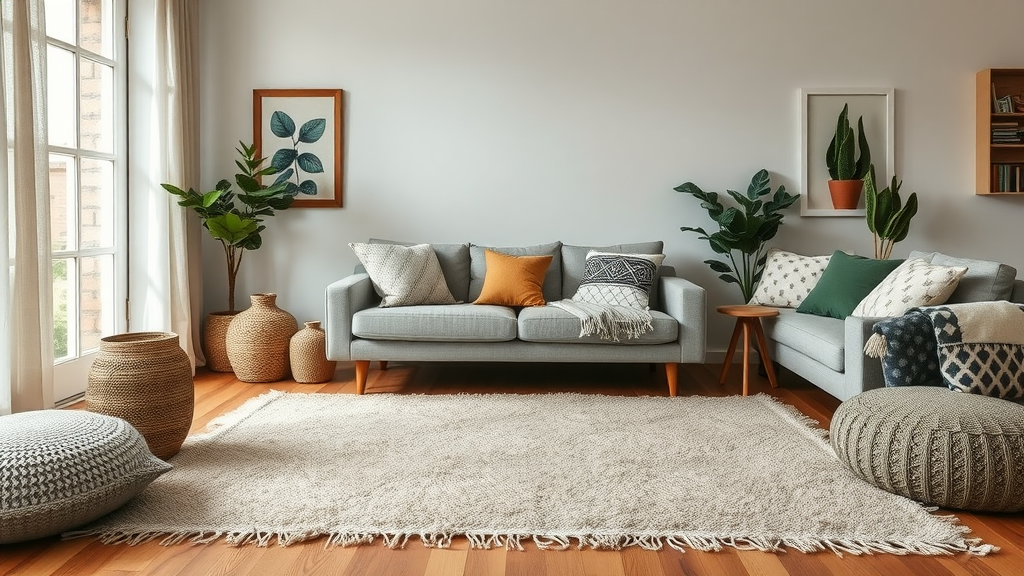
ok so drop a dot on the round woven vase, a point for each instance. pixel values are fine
(146, 379)
(308, 352)
(215, 334)
(257, 340)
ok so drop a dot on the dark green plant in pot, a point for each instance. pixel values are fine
(840, 154)
(742, 232)
(238, 226)
(888, 218)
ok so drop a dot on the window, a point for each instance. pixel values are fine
(86, 120)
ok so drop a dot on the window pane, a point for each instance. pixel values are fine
(62, 202)
(97, 106)
(97, 27)
(97, 313)
(60, 97)
(97, 203)
(60, 20)
(63, 309)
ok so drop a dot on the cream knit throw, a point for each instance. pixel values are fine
(608, 321)
(500, 469)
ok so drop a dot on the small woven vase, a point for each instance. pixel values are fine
(215, 333)
(146, 379)
(308, 351)
(257, 340)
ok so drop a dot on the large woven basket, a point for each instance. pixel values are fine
(215, 333)
(308, 351)
(146, 379)
(257, 340)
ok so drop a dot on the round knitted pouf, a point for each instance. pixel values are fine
(63, 468)
(950, 449)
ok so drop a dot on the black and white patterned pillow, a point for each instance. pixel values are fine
(788, 278)
(911, 355)
(618, 279)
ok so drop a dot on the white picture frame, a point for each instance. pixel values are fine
(820, 108)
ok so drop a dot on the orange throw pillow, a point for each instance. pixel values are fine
(513, 280)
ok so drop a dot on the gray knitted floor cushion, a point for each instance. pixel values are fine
(63, 468)
(936, 446)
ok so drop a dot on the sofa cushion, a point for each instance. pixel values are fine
(788, 278)
(619, 279)
(513, 280)
(552, 279)
(550, 324)
(819, 337)
(913, 283)
(574, 263)
(845, 282)
(404, 275)
(984, 280)
(446, 323)
(454, 261)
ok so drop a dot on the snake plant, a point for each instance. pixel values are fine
(840, 153)
(888, 219)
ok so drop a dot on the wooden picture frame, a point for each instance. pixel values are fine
(820, 108)
(300, 132)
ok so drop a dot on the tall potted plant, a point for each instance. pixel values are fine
(888, 218)
(238, 227)
(847, 175)
(742, 233)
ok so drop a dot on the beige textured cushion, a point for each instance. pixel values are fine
(404, 275)
(934, 445)
(788, 278)
(913, 283)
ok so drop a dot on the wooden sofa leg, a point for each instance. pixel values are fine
(383, 365)
(672, 375)
(362, 367)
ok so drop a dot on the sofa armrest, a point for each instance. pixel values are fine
(861, 371)
(687, 303)
(343, 299)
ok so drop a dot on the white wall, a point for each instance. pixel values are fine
(512, 122)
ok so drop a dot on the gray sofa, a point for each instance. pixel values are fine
(359, 330)
(829, 352)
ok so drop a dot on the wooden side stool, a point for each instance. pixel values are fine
(748, 319)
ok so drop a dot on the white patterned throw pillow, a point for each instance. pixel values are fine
(404, 275)
(913, 283)
(788, 278)
(620, 279)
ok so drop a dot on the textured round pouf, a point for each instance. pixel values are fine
(950, 449)
(145, 378)
(63, 468)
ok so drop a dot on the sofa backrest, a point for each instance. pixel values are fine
(552, 279)
(984, 280)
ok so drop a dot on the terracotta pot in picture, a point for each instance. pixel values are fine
(215, 333)
(257, 340)
(308, 352)
(845, 193)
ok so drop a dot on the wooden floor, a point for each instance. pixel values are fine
(218, 393)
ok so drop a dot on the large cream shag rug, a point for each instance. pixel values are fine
(559, 469)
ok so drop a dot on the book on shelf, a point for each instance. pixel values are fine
(1008, 177)
(1004, 105)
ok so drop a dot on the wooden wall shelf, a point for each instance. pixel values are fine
(999, 165)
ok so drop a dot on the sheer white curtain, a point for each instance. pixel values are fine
(165, 281)
(26, 301)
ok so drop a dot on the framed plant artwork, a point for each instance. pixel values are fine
(299, 132)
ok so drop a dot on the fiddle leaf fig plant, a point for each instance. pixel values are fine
(888, 218)
(840, 154)
(238, 226)
(743, 231)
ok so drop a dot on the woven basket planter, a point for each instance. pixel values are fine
(308, 352)
(215, 334)
(146, 379)
(257, 340)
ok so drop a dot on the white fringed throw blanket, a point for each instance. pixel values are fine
(608, 321)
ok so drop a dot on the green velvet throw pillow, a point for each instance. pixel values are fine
(844, 283)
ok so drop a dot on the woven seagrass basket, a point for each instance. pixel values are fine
(215, 333)
(146, 379)
(257, 340)
(308, 352)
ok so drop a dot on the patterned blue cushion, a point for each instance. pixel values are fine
(911, 354)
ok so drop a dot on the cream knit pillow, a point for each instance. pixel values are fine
(913, 283)
(404, 275)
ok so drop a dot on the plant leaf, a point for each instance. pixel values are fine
(312, 131)
(759, 185)
(282, 125)
(864, 159)
(718, 266)
(308, 187)
(310, 163)
(870, 198)
(283, 158)
(284, 176)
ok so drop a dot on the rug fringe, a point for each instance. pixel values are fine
(511, 541)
